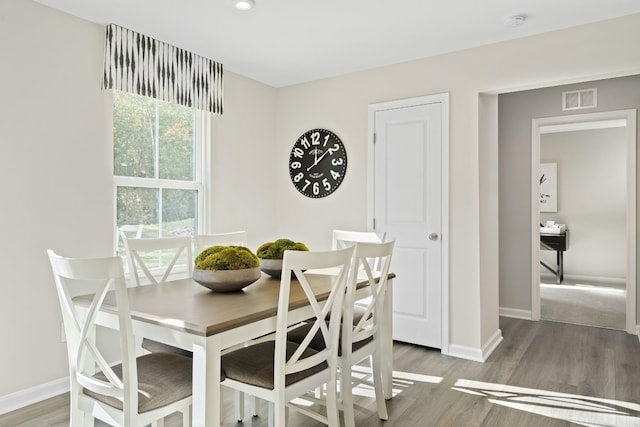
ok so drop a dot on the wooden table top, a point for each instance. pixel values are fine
(188, 306)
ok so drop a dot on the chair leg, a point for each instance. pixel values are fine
(376, 367)
(346, 393)
(255, 406)
(186, 417)
(239, 405)
(333, 417)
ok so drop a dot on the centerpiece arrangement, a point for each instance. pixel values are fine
(226, 268)
(271, 253)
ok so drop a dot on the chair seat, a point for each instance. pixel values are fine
(160, 347)
(254, 365)
(163, 378)
(297, 335)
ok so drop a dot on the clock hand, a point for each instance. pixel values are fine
(318, 160)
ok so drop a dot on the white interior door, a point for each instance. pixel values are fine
(408, 197)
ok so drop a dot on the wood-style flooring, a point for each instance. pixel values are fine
(543, 374)
(585, 303)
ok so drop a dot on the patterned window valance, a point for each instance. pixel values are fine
(139, 64)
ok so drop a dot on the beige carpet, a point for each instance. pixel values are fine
(598, 305)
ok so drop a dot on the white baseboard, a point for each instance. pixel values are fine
(23, 398)
(515, 313)
(476, 354)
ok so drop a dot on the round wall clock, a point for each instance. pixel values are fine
(317, 163)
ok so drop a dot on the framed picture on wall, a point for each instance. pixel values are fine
(548, 187)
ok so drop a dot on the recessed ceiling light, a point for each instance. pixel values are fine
(244, 4)
(514, 21)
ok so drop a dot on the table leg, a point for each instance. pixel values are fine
(560, 267)
(386, 342)
(206, 383)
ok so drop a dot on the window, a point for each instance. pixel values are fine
(157, 167)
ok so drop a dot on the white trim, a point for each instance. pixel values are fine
(536, 125)
(465, 352)
(442, 98)
(476, 354)
(32, 395)
(491, 345)
(515, 313)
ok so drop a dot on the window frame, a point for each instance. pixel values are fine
(202, 171)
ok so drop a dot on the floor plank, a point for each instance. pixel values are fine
(542, 374)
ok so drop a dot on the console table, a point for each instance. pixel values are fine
(558, 243)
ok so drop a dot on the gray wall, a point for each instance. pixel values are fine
(516, 110)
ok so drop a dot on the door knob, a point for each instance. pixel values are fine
(433, 236)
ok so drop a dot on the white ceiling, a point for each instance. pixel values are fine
(284, 42)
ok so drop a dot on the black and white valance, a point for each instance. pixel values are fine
(142, 65)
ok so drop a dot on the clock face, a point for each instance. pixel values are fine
(317, 163)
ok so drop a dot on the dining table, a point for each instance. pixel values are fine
(187, 315)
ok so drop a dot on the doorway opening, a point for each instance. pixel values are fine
(573, 288)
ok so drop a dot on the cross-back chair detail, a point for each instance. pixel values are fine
(361, 327)
(293, 369)
(344, 238)
(177, 246)
(113, 393)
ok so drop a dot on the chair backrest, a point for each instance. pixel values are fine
(164, 252)
(367, 255)
(344, 238)
(236, 238)
(300, 263)
(127, 231)
(95, 276)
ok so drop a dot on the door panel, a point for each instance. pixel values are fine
(408, 206)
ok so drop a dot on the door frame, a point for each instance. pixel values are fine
(536, 124)
(442, 98)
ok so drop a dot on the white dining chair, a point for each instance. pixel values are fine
(142, 252)
(135, 392)
(359, 337)
(154, 261)
(277, 370)
(235, 238)
(344, 238)
(128, 231)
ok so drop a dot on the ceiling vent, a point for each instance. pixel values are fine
(579, 99)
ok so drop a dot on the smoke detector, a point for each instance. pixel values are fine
(514, 21)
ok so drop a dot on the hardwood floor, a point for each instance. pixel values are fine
(543, 374)
(584, 303)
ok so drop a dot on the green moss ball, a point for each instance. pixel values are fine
(226, 258)
(275, 250)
